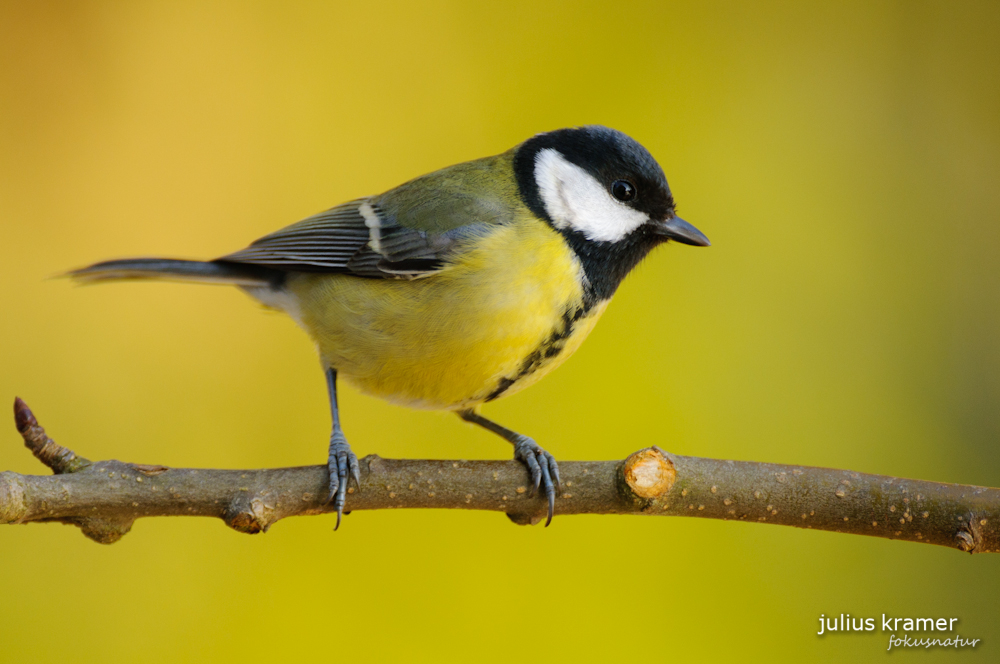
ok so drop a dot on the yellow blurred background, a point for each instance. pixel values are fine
(843, 158)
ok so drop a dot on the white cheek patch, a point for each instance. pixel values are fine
(575, 199)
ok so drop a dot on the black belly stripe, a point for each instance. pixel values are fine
(548, 349)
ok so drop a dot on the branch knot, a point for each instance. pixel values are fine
(13, 507)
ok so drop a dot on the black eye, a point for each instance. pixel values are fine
(622, 190)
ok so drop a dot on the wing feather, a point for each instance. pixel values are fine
(408, 232)
(342, 240)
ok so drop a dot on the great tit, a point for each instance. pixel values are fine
(461, 286)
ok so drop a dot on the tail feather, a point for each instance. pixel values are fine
(205, 272)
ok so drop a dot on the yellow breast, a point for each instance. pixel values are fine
(507, 311)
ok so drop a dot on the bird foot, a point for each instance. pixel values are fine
(340, 461)
(543, 469)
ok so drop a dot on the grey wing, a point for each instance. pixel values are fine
(353, 238)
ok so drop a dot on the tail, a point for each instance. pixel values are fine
(203, 272)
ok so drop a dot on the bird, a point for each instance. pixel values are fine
(459, 287)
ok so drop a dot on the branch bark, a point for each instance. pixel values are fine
(104, 498)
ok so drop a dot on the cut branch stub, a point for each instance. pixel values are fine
(649, 473)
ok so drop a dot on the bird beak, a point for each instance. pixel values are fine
(681, 231)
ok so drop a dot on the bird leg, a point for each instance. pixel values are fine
(541, 465)
(341, 458)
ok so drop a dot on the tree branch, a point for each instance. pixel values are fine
(104, 498)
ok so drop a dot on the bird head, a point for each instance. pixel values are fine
(606, 194)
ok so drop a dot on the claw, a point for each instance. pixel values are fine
(536, 473)
(550, 491)
(341, 461)
(334, 483)
(355, 471)
(543, 468)
(342, 486)
(554, 470)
